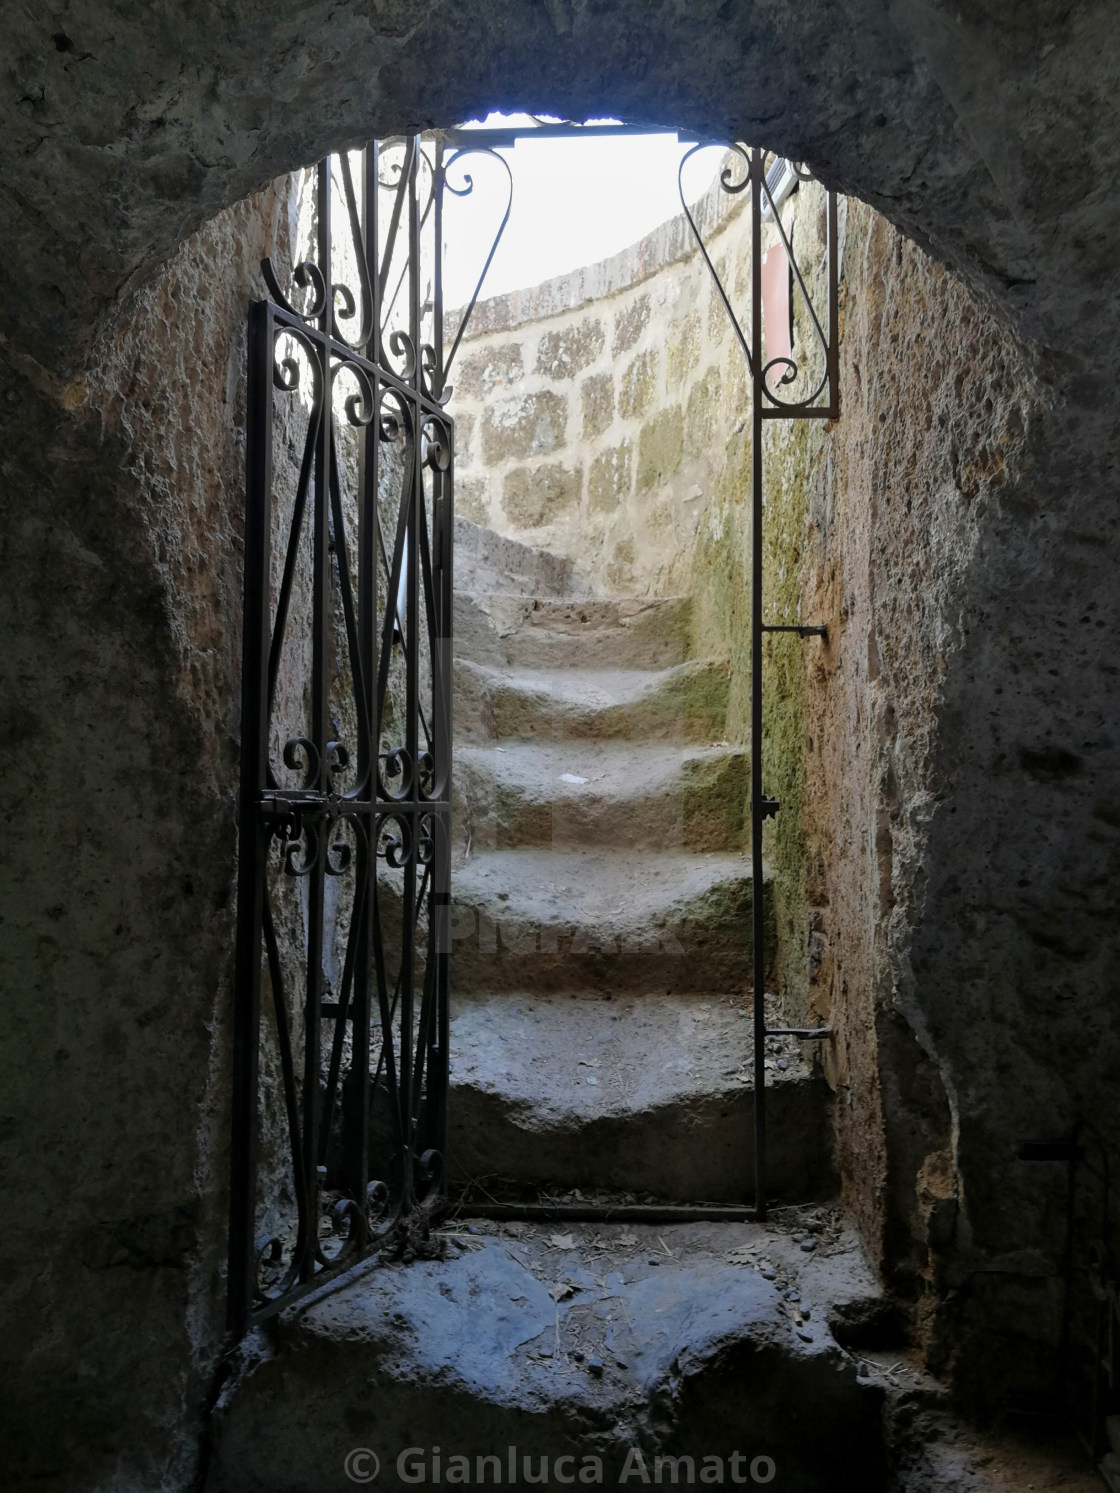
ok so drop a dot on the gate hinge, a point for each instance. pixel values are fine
(770, 806)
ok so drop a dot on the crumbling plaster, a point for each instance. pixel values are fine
(987, 132)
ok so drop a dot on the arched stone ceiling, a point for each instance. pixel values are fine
(987, 129)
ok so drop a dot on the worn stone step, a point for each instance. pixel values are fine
(618, 1346)
(575, 920)
(639, 1093)
(486, 561)
(536, 633)
(632, 796)
(686, 703)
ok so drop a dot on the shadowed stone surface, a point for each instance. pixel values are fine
(486, 562)
(631, 1093)
(697, 1357)
(576, 919)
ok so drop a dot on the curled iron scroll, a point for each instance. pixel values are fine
(784, 370)
(395, 176)
(307, 273)
(343, 292)
(301, 755)
(339, 853)
(287, 374)
(394, 840)
(465, 191)
(395, 779)
(435, 445)
(299, 843)
(793, 368)
(360, 405)
(732, 187)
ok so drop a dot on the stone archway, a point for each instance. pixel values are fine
(988, 135)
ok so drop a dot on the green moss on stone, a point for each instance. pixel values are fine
(533, 496)
(529, 425)
(565, 352)
(683, 352)
(639, 383)
(611, 478)
(721, 624)
(597, 398)
(629, 325)
(700, 412)
(660, 447)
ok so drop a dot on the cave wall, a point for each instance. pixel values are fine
(920, 683)
(121, 611)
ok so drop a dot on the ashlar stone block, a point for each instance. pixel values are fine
(597, 399)
(660, 447)
(639, 384)
(525, 425)
(629, 324)
(611, 478)
(483, 372)
(683, 352)
(568, 350)
(534, 496)
(700, 414)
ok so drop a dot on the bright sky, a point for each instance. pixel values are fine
(574, 202)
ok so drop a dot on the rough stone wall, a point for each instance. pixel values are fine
(122, 612)
(586, 407)
(924, 745)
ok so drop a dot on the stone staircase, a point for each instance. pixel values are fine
(600, 1041)
(600, 1031)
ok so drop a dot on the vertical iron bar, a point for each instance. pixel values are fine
(758, 922)
(441, 882)
(358, 1098)
(442, 560)
(412, 690)
(371, 160)
(437, 275)
(833, 353)
(320, 726)
(252, 836)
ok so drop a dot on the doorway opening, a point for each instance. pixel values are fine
(597, 901)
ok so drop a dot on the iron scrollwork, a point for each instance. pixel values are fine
(339, 1124)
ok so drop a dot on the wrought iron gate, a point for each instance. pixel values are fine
(343, 933)
(782, 388)
(344, 871)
